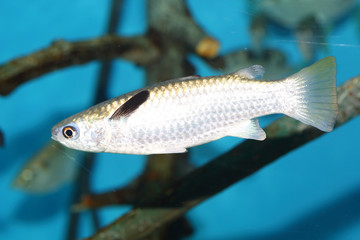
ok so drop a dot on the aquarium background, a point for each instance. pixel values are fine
(311, 193)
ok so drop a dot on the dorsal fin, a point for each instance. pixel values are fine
(252, 72)
(186, 78)
(131, 105)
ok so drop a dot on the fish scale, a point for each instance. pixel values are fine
(206, 112)
(172, 116)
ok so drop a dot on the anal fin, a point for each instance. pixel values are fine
(168, 150)
(252, 72)
(249, 129)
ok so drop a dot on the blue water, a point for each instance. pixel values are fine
(311, 193)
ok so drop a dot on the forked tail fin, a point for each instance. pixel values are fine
(313, 92)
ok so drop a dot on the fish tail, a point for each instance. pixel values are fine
(313, 94)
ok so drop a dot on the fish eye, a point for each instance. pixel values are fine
(69, 132)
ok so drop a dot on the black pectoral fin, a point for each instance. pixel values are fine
(131, 105)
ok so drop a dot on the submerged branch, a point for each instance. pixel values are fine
(159, 173)
(83, 179)
(168, 18)
(248, 157)
(1, 139)
(161, 170)
(63, 54)
(172, 18)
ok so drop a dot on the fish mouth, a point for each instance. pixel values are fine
(54, 132)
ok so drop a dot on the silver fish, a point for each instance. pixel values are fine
(50, 168)
(181, 113)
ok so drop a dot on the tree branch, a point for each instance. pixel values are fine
(62, 54)
(169, 17)
(172, 18)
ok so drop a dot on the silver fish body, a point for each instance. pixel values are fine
(177, 114)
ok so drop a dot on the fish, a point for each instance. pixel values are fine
(310, 21)
(52, 167)
(177, 114)
(289, 13)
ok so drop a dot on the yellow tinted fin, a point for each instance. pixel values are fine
(314, 99)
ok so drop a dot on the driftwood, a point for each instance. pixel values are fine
(63, 54)
(172, 19)
(138, 49)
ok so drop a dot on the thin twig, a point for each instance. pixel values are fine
(240, 162)
(83, 181)
(1, 139)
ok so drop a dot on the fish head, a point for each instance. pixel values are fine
(82, 132)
